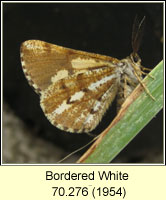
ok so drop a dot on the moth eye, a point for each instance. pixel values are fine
(135, 58)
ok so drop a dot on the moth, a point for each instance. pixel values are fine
(75, 87)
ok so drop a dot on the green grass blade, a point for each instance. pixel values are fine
(138, 114)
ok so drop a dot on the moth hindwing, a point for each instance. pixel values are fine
(77, 87)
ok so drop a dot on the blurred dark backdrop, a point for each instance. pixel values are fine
(103, 28)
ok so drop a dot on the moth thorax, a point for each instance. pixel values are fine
(129, 78)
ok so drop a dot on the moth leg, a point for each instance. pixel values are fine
(145, 69)
(145, 73)
(151, 76)
(144, 86)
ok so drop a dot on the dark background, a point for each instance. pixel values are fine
(103, 28)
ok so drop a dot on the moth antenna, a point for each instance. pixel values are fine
(60, 161)
(137, 33)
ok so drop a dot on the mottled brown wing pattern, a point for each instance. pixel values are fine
(75, 87)
(41, 61)
(77, 103)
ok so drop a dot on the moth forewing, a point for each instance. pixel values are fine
(42, 61)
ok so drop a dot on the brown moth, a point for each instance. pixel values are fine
(76, 87)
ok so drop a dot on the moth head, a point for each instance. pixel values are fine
(135, 59)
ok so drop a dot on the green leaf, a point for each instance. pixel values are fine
(136, 116)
